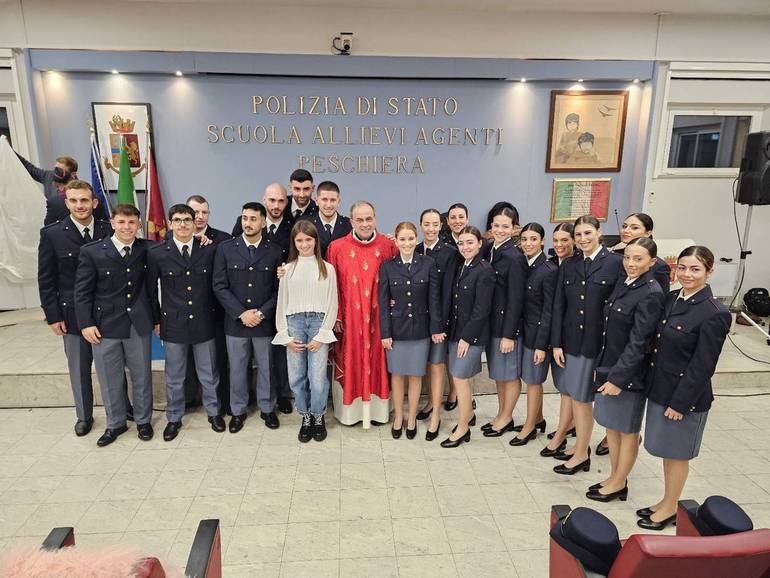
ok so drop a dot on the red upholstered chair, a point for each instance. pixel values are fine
(744, 555)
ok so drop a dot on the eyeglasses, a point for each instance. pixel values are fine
(177, 221)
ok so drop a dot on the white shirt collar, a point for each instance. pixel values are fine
(593, 255)
(431, 247)
(295, 206)
(179, 245)
(82, 227)
(119, 244)
(360, 240)
(324, 222)
(409, 262)
(251, 244)
(686, 297)
(455, 239)
(495, 246)
(630, 280)
(533, 259)
(276, 223)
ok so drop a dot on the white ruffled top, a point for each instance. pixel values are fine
(301, 290)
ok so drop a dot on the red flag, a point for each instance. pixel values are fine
(156, 213)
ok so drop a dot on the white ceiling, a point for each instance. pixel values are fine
(756, 7)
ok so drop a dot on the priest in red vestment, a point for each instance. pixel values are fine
(361, 391)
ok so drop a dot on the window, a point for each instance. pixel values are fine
(707, 141)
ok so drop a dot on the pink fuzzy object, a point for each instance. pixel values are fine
(75, 562)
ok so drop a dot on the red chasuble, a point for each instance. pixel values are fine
(361, 391)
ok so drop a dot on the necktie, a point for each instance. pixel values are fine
(252, 252)
(186, 253)
(126, 252)
(272, 230)
(87, 235)
(492, 254)
(297, 213)
(328, 228)
(587, 266)
(409, 266)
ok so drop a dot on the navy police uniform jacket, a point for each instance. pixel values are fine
(410, 307)
(685, 351)
(473, 287)
(341, 228)
(578, 304)
(186, 309)
(57, 261)
(447, 260)
(511, 270)
(111, 292)
(538, 302)
(242, 283)
(630, 318)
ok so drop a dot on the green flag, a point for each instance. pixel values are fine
(125, 180)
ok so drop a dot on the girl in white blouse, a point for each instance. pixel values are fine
(304, 319)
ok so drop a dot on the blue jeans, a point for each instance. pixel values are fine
(307, 370)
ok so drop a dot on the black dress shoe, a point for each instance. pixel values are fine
(110, 435)
(306, 429)
(270, 419)
(486, 426)
(571, 432)
(171, 430)
(432, 435)
(597, 496)
(319, 429)
(645, 512)
(424, 414)
(595, 487)
(471, 423)
(448, 443)
(236, 423)
(450, 405)
(495, 433)
(561, 456)
(144, 431)
(217, 423)
(83, 426)
(539, 425)
(648, 524)
(564, 470)
(601, 449)
(411, 433)
(284, 405)
(396, 433)
(546, 452)
(517, 441)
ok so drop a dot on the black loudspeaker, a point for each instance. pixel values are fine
(754, 178)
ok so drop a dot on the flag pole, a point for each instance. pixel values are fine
(96, 153)
(147, 181)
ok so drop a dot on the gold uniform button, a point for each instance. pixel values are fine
(249, 285)
(69, 254)
(128, 270)
(192, 316)
(581, 327)
(251, 268)
(678, 327)
(128, 309)
(248, 300)
(189, 288)
(582, 282)
(189, 302)
(129, 283)
(187, 273)
(409, 315)
(408, 293)
(408, 282)
(581, 312)
(128, 295)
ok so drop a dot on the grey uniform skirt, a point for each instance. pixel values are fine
(437, 353)
(408, 357)
(503, 366)
(670, 439)
(622, 412)
(557, 373)
(531, 373)
(577, 379)
(468, 366)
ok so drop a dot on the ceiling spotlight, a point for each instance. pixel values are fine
(114, 71)
(179, 73)
(636, 81)
(580, 80)
(523, 80)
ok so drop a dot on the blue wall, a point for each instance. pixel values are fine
(230, 174)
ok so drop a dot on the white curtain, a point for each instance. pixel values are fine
(22, 206)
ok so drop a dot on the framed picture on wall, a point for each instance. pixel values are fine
(572, 198)
(119, 124)
(586, 130)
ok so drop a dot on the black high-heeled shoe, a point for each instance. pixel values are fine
(546, 452)
(449, 443)
(424, 414)
(601, 449)
(572, 432)
(595, 487)
(564, 470)
(396, 433)
(597, 496)
(450, 405)
(517, 441)
(565, 457)
(432, 435)
(471, 423)
(486, 426)
(645, 512)
(495, 433)
(539, 425)
(410, 433)
(648, 524)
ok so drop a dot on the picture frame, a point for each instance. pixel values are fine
(586, 130)
(573, 198)
(118, 122)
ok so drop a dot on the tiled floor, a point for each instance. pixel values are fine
(358, 504)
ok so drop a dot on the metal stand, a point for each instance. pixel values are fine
(737, 308)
